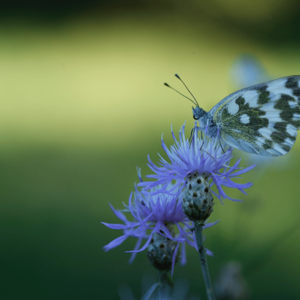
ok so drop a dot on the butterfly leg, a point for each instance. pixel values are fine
(202, 144)
(221, 147)
(191, 136)
(193, 130)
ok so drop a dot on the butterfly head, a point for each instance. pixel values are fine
(198, 113)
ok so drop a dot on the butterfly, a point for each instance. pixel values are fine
(262, 119)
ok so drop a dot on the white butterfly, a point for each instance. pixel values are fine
(261, 119)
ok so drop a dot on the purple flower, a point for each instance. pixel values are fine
(154, 213)
(202, 155)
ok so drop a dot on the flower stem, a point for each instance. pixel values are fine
(164, 287)
(203, 259)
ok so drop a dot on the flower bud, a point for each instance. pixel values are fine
(197, 198)
(160, 252)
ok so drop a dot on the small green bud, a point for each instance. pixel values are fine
(197, 198)
(160, 252)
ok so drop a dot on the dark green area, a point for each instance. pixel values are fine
(276, 29)
(52, 202)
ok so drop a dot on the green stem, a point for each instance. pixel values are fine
(164, 288)
(203, 259)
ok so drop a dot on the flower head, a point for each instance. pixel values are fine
(154, 213)
(187, 159)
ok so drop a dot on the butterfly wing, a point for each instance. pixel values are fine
(262, 119)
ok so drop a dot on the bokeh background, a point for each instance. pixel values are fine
(83, 103)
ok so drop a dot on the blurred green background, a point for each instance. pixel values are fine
(83, 103)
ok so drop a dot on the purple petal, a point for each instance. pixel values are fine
(119, 214)
(114, 243)
(119, 226)
(155, 229)
(183, 254)
(174, 259)
(210, 224)
(210, 253)
(244, 170)
(133, 255)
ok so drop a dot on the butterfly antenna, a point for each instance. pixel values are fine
(176, 75)
(180, 94)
